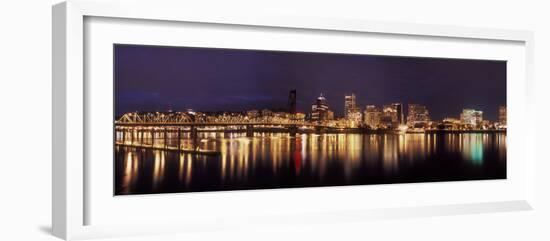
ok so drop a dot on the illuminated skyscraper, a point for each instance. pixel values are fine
(502, 115)
(350, 105)
(320, 110)
(400, 116)
(418, 116)
(352, 112)
(390, 115)
(471, 117)
(372, 116)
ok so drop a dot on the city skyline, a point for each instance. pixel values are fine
(203, 119)
(291, 108)
(144, 83)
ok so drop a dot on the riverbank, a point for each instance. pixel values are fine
(353, 131)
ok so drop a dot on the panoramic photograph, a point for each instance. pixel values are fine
(189, 119)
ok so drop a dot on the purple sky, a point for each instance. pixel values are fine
(154, 78)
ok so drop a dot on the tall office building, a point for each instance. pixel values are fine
(418, 116)
(350, 105)
(400, 116)
(320, 110)
(352, 113)
(502, 115)
(390, 116)
(372, 116)
(292, 102)
(471, 117)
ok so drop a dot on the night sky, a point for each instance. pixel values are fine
(153, 78)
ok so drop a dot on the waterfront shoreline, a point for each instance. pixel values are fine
(354, 131)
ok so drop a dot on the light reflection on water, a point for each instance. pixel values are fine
(278, 160)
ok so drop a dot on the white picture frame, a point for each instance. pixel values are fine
(71, 190)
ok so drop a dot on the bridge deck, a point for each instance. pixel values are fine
(214, 124)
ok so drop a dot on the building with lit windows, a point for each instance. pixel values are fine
(502, 116)
(372, 116)
(471, 117)
(320, 110)
(299, 116)
(253, 114)
(450, 123)
(350, 106)
(355, 119)
(267, 113)
(400, 115)
(390, 116)
(351, 111)
(418, 116)
(330, 115)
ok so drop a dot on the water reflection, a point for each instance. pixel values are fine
(279, 160)
(473, 147)
(390, 153)
(130, 171)
(158, 170)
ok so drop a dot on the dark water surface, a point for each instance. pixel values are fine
(276, 160)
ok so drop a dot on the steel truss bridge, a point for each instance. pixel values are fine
(184, 119)
(159, 129)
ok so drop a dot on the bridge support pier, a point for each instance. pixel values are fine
(319, 130)
(153, 137)
(194, 137)
(249, 131)
(131, 135)
(179, 138)
(293, 130)
(141, 132)
(165, 137)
